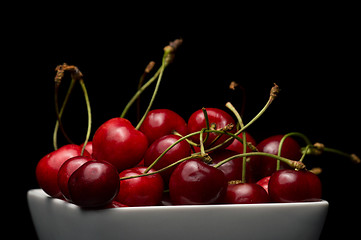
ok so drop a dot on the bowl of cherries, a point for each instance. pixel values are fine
(168, 178)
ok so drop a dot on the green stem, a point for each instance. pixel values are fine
(298, 134)
(155, 90)
(291, 163)
(89, 114)
(244, 142)
(140, 91)
(147, 173)
(60, 113)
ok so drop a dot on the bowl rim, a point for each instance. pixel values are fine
(39, 193)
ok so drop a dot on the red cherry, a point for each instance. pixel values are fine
(237, 146)
(66, 170)
(179, 151)
(264, 182)
(160, 122)
(217, 117)
(195, 182)
(48, 167)
(94, 184)
(119, 143)
(294, 186)
(231, 169)
(246, 193)
(140, 191)
(262, 166)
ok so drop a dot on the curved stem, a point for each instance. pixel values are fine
(244, 142)
(140, 91)
(60, 113)
(298, 134)
(155, 90)
(89, 115)
(291, 163)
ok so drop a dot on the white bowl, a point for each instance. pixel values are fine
(57, 219)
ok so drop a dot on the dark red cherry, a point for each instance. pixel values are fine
(294, 186)
(246, 193)
(216, 117)
(94, 184)
(264, 182)
(231, 169)
(262, 166)
(161, 122)
(179, 151)
(66, 170)
(237, 146)
(195, 182)
(48, 168)
(140, 191)
(119, 143)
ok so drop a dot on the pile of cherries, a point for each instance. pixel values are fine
(210, 159)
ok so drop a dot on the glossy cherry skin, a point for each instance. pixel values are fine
(195, 182)
(246, 193)
(94, 184)
(140, 191)
(262, 166)
(294, 186)
(264, 182)
(48, 167)
(119, 143)
(179, 151)
(66, 170)
(231, 169)
(161, 122)
(237, 146)
(220, 118)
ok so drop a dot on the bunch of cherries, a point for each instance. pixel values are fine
(165, 160)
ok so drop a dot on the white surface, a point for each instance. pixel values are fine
(57, 219)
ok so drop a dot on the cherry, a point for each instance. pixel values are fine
(195, 182)
(262, 166)
(140, 191)
(94, 184)
(246, 193)
(119, 143)
(48, 167)
(294, 186)
(231, 169)
(237, 146)
(264, 182)
(216, 117)
(66, 170)
(179, 151)
(160, 122)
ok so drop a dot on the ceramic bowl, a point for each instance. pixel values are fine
(57, 219)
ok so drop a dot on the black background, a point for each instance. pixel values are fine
(310, 52)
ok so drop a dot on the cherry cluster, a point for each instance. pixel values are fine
(164, 160)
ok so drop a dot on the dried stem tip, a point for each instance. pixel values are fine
(274, 91)
(60, 69)
(355, 158)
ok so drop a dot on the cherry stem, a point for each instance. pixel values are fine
(139, 92)
(147, 70)
(244, 140)
(85, 92)
(164, 63)
(147, 173)
(59, 114)
(273, 94)
(291, 163)
(298, 134)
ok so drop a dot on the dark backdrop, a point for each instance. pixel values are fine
(309, 54)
